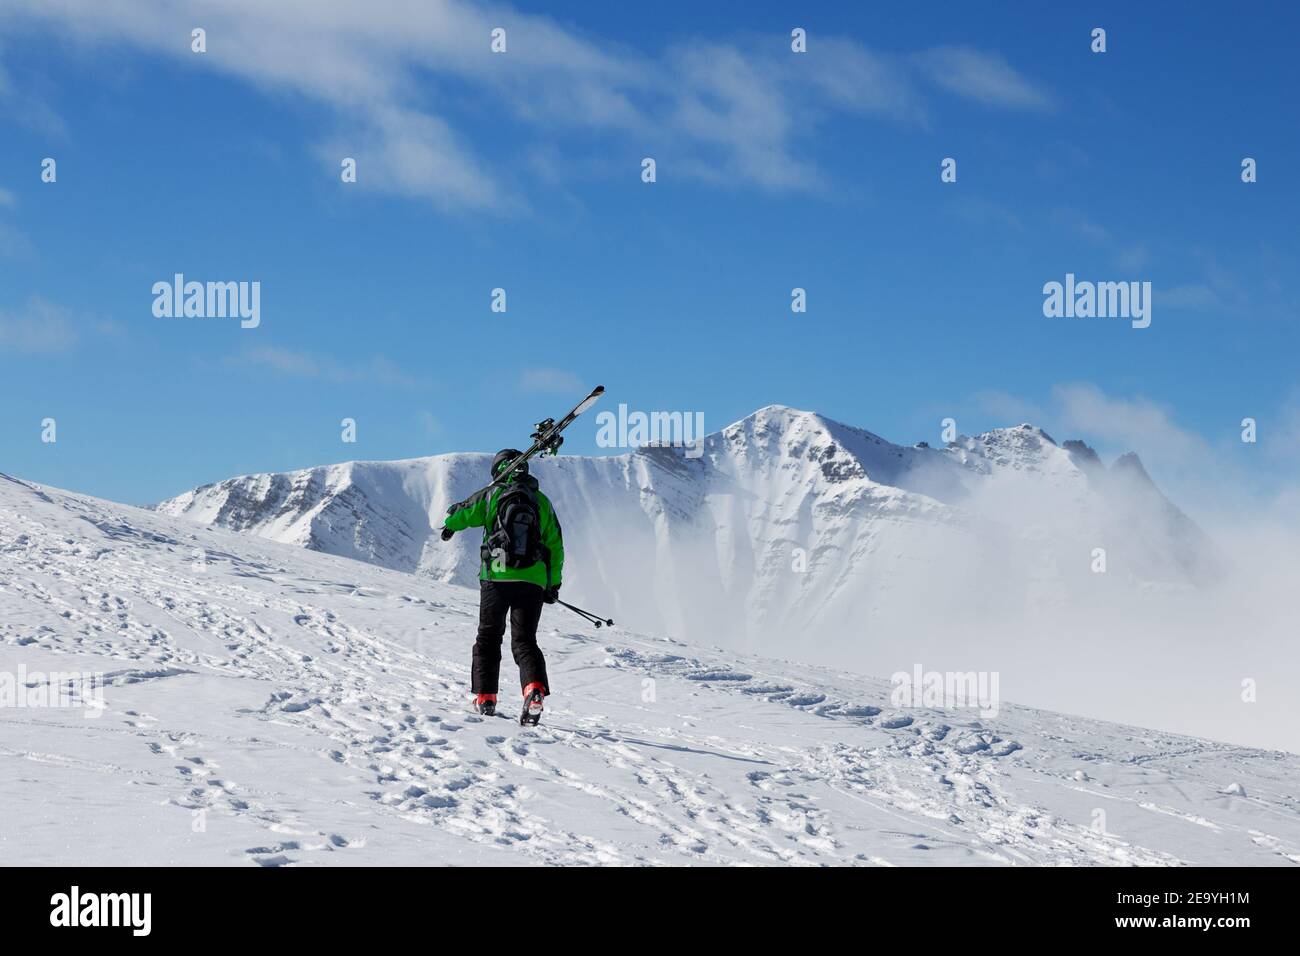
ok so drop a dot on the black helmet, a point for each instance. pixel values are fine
(503, 458)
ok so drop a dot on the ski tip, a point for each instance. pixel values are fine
(587, 402)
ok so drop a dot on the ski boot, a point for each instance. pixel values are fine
(486, 704)
(533, 695)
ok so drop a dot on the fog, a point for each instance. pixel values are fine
(1179, 630)
(1212, 652)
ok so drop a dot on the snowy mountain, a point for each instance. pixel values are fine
(262, 703)
(787, 527)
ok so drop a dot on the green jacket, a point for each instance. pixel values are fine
(479, 511)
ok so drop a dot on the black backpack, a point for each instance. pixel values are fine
(515, 538)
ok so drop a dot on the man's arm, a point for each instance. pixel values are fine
(553, 540)
(467, 514)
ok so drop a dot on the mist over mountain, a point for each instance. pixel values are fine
(313, 711)
(792, 534)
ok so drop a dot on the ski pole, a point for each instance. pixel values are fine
(587, 615)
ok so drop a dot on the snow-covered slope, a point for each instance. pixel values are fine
(788, 526)
(266, 704)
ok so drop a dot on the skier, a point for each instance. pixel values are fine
(522, 560)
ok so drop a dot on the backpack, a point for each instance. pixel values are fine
(515, 538)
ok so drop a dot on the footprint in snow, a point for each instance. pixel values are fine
(720, 675)
(805, 700)
(896, 721)
(865, 710)
(298, 706)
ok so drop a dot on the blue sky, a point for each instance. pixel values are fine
(522, 171)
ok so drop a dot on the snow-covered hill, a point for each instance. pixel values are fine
(266, 704)
(788, 526)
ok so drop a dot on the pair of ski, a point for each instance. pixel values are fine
(546, 441)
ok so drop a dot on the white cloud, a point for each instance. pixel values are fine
(428, 423)
(756, 106)
(725, 99)
(391, 70)
(1133, 257)
(1090, 230)
(1221, 289)
(1206, 473)
(300, 364)
(1129, 256)
(549, 380)
(1278, 434)
(409, 153)
(25, 107)
(1008, 408)
(14, 243)
(983, 77)
(1136, 424)
(1193, 295)
(37, 327)
(982, 211)
(859, 80)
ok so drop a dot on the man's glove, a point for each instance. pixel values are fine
(551, 594)
(447, 533)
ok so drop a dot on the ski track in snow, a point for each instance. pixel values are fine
(272, 706)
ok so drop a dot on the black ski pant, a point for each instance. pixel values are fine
(523, 601)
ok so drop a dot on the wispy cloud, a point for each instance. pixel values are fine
(984, 212)
(26, 107)
(1115, 423)
(37, 327)
(1129, 423)
(410, 153)
(1220, 289)
(14, 243)
(737, 111)
(1008, 408)
(983, 77)
(428, 423)
(1128, 255)
(377, 370)
(1192, 295)
(1193, 468)
(1085, 226)
(549, 380)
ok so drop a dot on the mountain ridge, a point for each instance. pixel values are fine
(709, 544)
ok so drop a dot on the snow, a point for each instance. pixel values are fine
(797, 536)
(705, 546)
(275, 705)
